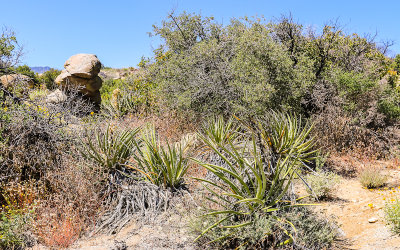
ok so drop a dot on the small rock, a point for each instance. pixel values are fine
(56, 97)
(372, 220)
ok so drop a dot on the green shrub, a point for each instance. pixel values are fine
(131, 95)
(371, 177)
(25, 70)
(322, 184)
(249, 66)
(252, 179)
(48, 78)
(13, 227)
(163, 165)
(312, 231)
(392, 214)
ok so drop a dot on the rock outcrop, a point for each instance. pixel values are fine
(82, 71)
(9, 81)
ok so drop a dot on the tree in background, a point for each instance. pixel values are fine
(10, 51)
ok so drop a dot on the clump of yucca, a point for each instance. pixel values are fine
(253, 176)
(163, 164)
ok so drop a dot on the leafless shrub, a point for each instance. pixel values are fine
(35, 137)
(72, 202)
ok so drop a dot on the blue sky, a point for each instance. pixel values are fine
(117, 31)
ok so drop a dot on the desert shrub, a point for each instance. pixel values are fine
(17, 204)
(25, 70)
(312, 231)
(337, 132)
(322, 184)
(248, 66)
(130, 95)
(37, 93)
(371, 177)
(162, 164)
(204, 68)
(36, 135)
(10, 51)
(48, 78)
(392, 214)
(14, 225)
(253, 179)
(34, 142)
(72, 203)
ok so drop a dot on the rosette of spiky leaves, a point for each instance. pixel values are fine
(164, 165)
(283, 134)
(220, 131)
(256, 175)
(110, 148)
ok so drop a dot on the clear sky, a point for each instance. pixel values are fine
(117, 31)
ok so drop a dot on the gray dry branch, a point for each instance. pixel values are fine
(142, 201)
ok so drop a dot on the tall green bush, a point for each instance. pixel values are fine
(249, 66)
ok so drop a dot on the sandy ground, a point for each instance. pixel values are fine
(352, 209)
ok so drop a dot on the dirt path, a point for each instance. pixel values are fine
(352, 208)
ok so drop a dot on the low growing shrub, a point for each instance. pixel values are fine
(371, 177)
(392, 214)
(309, 230)
(322, 184)
(14, 225)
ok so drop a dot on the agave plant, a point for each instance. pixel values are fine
(255, 177)
(110, 148)
(163, 165)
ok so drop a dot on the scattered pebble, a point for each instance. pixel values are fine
(372, 220)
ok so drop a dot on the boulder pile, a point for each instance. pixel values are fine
(82, 71)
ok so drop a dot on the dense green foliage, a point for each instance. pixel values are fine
(48, 78)
(249, 66)
(131, 95)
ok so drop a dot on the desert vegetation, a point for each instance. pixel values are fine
(229, 122)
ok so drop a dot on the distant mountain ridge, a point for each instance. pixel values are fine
(40, 70)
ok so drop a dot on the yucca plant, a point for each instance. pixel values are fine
(255, 177)
(125, 102)
(163, 165)
(220, 131)
(109, 148)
